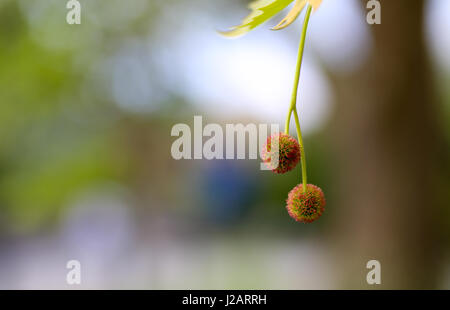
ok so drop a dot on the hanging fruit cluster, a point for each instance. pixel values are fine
(305, 202)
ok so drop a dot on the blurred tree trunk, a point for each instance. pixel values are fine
(386, 142)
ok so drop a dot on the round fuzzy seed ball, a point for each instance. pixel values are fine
(305, 207)
(288, 153)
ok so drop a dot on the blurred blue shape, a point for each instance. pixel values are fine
(227, 192)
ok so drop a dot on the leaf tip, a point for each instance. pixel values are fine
(235, 32)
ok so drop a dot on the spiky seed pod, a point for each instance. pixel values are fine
(288, 153)
(305, 207)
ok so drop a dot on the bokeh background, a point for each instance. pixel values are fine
(86, 173)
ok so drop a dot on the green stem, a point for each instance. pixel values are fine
(293, 106)
(302, 150)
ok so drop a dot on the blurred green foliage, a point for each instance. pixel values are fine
(48, 148)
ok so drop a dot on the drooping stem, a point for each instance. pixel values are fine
(302, 150)
(293, 106)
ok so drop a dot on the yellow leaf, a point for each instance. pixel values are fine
(261, 11)
(292, 15)
(295, 12)
(315, 3)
